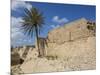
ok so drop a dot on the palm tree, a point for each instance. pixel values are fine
(32, 21)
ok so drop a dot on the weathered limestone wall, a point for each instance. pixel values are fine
(73, 39)
(60, 44)
(70, 31)
(84, 47)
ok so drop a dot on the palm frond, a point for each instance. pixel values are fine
(32, 18)
(33, 21)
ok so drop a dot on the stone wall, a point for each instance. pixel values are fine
(84, 47)
(70, 31)
(72, 39)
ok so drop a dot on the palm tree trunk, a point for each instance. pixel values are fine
(36, 30)
(70, 36)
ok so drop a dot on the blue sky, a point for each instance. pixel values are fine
(55, 15)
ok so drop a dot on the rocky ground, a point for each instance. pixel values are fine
(71, 56)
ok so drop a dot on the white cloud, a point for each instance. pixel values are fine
(19, 4)
(15, 24)
(55, 26)
(15, 30)
(17, 37)
(59, 20)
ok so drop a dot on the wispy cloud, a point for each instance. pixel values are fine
(20, 4)
(59, 20)
(55, 26)
(15, 28)
(15, 31)
(17, 37)
(15, 24)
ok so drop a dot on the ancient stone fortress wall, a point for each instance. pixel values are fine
(70, 31)
(73, 39)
